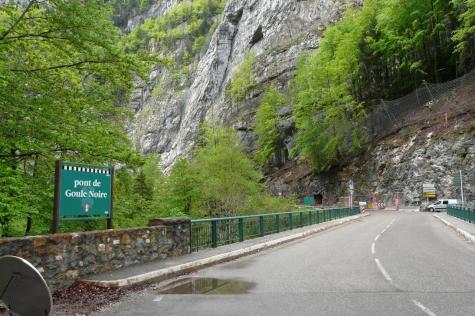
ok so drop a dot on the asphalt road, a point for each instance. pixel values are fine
(390, 263)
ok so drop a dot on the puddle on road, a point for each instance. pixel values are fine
(208, 286)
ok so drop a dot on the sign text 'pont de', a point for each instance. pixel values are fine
(82, 192)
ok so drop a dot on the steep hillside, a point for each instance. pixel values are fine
(274, 31)
(253, 44)
(431, 145)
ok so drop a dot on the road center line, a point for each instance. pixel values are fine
(372, 248)
(377, 237)
(158, 298)
(423, 308)
(383, 271)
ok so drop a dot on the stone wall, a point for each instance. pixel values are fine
(63, 258)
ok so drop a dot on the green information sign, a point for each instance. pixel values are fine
(82, 192)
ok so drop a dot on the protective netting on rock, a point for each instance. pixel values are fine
(443, 100)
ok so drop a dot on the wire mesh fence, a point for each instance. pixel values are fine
(439, 100)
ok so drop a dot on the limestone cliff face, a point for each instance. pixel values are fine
(275, 31)
(401, 163)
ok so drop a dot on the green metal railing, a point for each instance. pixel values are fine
(463, 212)
(214, 232)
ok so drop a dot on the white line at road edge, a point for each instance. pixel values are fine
(158, 299)
(423, 308)
(383, 271)
(372, 248)
(466, 235)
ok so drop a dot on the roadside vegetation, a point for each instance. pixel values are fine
(66, 69)
(64, 72)
(381, 50)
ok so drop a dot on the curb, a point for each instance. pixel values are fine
(460, 231)
(171, 272)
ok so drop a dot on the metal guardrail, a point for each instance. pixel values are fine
(214, 232)
(463, 212)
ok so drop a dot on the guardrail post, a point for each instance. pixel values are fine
(261, 226)
(214, 234)
(241, 229)
(277, 223)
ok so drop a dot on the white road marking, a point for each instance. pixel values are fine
(158, 299)
(372, 248)
(377, 237)
(383, 271)
(423, 308)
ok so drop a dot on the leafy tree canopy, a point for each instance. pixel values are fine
(381, 50)
(62, 76)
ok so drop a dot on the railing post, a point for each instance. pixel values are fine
(214, 234)
(309, 218)
(290, 222)
(261, 226)
(241, 229)
(318, 217)
(277, 223)
(301, 219)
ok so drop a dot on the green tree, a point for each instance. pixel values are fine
(464, 35)
(62, 75)
(267, 119)
(181, 192)
(243, 80)
(227, 178)
(326, 112)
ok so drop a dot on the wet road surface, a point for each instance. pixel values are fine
(390, 263)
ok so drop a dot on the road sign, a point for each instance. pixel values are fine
(428, 187)
(428, 190)
(82, 192)
(350, 184)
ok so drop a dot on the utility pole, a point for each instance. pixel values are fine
(461, 186)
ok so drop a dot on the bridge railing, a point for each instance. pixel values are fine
(214, 232)
(463, 212)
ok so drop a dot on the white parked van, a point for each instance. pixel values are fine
(441, 205)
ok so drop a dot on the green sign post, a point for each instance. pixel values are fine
(82, 192)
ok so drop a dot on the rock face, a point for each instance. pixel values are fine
(156, 10)
(275, 31)
(399, 164)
